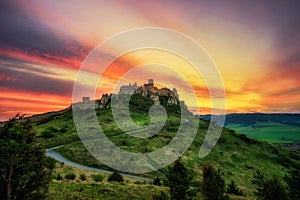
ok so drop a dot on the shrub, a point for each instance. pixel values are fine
(161, 196)
(258, 181)
(213, 185)
(59, 177)
(137, 183)
(157, 181)
(273, 189)
(116, 176)
(53, 129)
(178, 180)
(50, 163)
(97, 177)
(233, 189)
(47, 134)
(63, 130)
(293, 181)
(82, 177)
(70, 176)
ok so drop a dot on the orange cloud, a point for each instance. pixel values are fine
(13, 102)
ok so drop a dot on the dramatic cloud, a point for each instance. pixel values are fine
(23, 34)
(17, 79)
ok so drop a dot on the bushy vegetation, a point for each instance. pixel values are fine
(233, 189)
(116, 176)
(82, 177)
(23, 165)
(212, 184)
(97, 177)
(273, 190)
(59, 177)
(293, 182)
(178, 180)
(70, 176)
(157, 181)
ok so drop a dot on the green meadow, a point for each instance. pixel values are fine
(271, 132)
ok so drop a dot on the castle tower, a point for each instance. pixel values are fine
(150, 82)
(85, 99)
(175, 93)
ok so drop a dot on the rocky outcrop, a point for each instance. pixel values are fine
(158, 96)
(104, 101)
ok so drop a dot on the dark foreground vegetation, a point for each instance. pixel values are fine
(25, 173)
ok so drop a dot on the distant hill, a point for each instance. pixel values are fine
(251, 118)
(274, 128)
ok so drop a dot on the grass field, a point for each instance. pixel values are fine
(271, 132)
(90, 189)
(272, 128)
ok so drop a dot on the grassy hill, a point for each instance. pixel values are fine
(236, 155)
(273, 128)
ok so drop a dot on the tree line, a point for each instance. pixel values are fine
(213, 187)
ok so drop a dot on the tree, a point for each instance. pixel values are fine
(273, 190)
(116, 176)
(293, 181)
(178, 180)
(233, 189)
(213, 185)
(258, 180)
(156, 181)
(22, 163)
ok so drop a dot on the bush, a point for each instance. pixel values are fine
(50, 163)
(273, 189)
(293, 182)
(97, 177)
(116, 176)
(161, 196)
(82, 177)
(258, 180)
(157, 181)
(53, 129)
(233, 189)
(213, 185)
(63, 130)
(178, 180)
(59, 177)
(70, 176)
(47, 134)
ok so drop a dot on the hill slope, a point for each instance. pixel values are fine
(236, 155)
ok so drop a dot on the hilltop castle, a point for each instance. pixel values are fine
(128, 89)
(147, 90)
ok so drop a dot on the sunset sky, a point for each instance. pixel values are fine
(254, 44)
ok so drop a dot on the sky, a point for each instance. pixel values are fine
(255, 46)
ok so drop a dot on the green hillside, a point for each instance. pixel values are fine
(272, 128)
(236, 155)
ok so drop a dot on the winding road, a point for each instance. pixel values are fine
(60, 158)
